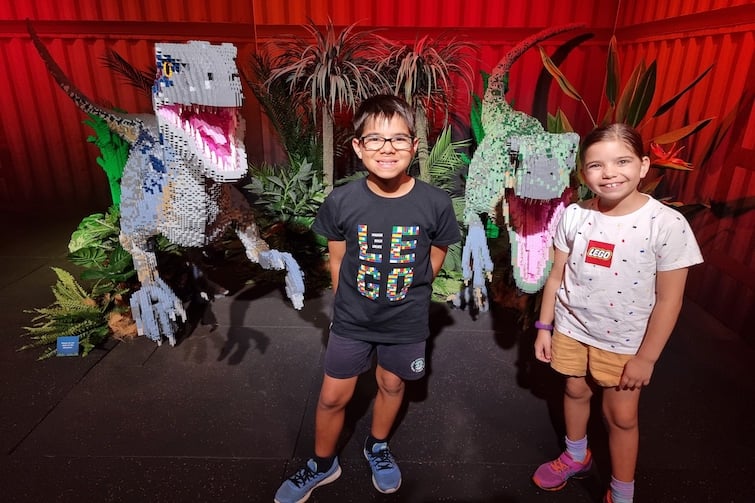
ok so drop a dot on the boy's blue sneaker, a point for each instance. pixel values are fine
(299, 486)
(386, 477)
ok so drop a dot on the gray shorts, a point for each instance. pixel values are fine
(346, 358)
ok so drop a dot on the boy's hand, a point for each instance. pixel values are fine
(543, 346)
(637, 372)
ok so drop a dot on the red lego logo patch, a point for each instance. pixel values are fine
(599, 253)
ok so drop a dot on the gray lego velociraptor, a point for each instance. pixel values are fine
(176, 181)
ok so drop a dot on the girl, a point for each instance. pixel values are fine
(613, 296)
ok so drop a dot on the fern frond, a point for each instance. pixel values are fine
(67, 288)
(49, 333)
(74, 313)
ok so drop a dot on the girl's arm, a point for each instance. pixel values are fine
(548, 306)
(336, 251)
(669, 286)
(437, 256)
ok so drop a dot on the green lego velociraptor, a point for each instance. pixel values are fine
(177, 179)
(526, 170)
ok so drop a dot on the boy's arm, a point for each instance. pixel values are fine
(336, 251)
(437, 256)
(669, 286)
(548, 305)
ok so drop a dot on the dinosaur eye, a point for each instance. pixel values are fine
(168, 69)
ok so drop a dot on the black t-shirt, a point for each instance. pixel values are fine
(385, 281)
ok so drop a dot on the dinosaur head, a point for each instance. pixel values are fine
(197, 99)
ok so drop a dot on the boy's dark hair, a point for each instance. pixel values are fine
(617, 131)
(383, 106)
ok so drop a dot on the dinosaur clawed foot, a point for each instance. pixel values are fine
(156, 311)
(274, 259)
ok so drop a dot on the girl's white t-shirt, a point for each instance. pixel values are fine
(608, 287)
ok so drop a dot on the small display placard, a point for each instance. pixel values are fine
(68, 346)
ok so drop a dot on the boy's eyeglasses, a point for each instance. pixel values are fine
(400, 142)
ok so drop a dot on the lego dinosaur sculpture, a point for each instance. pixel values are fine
(526, 170)
(176, 179)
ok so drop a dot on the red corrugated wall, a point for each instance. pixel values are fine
(685, 37)
(45, 161)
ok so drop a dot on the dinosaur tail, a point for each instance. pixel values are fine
(118, 123)
(495, 83)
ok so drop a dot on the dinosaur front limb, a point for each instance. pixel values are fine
(258, 251)
(476, 264)
(154, 307)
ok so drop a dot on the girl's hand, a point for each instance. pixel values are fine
(543, 346)
(637, 372)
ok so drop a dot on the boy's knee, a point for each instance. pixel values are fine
(390, 383)
(334, 398)
(332, 402)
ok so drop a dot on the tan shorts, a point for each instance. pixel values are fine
(573, 358)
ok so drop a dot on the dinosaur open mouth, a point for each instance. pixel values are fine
(532, 225)
(212, 133)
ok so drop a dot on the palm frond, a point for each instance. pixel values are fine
(444, 162)
(140, 79)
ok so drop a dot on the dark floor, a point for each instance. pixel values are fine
(228, 412)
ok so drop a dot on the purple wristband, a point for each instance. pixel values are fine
(543, 326)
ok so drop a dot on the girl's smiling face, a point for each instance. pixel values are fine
(613, 171)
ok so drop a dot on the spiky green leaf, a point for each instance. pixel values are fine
(627, 94)
(681, 133)
(612, 72)
(563, 82)
(642, 96)
(670, 103)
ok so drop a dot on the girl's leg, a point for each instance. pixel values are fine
(388, 401)
(329, 417)
(577, 395)
(577, 460)
(620, 408)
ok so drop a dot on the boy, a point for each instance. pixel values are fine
(387, 235)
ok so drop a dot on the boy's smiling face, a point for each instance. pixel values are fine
(386, 164)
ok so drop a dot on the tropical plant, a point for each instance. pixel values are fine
(631, 104)
(334, 73)
(422, 73)
(291, 193)
(292, 120)
(475, 112)
(75, 312)
(445, 163)
(95, 247)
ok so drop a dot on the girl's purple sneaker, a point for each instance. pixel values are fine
(553, 475)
